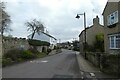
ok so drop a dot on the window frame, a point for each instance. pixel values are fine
(114, 37)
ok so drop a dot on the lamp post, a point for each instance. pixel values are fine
(78, 16)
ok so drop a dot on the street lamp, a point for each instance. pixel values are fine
(78, 16)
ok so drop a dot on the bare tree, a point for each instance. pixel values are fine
(4, 20)
(35, 27)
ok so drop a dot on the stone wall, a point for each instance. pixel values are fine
(94, 58)
(10, 43)
(109, 63)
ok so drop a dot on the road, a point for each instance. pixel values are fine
(62, 65)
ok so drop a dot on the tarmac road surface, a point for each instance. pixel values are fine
(62, 65)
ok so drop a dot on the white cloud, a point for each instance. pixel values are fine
(57, 15)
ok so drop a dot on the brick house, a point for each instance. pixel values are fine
(91, 32)
(111, 15)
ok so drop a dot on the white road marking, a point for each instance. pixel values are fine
(92, 74)
(45, 61)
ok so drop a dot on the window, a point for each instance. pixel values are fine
(112, 42)
(112, 18)
(118, 41)
(115, 41)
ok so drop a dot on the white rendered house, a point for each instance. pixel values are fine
(45, 37)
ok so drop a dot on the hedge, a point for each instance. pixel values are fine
(38, 43)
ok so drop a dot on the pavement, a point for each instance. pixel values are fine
(89, 71)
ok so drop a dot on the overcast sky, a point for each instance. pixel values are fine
(58, 16)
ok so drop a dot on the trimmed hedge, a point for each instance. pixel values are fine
(38, 43)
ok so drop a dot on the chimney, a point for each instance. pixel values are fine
(96, 20)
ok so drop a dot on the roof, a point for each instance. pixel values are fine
(47, 35)
(118, 1)
(87, 29)
(105, 8)
(83, 31)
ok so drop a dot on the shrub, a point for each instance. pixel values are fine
(17, 55)
(13, 54)
(34, 50)
(6, 61)
(99, 43)
(27, 55)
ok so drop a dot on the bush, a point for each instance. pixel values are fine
(34, 50)
(27, 55)
(6, 61)
(13, 54)
(17, 55)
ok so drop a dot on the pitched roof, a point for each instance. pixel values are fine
(49, 35)
(118, 1)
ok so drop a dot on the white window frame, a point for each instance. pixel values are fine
(114, 41)
(111, 21)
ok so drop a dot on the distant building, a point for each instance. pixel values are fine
(91, 32)
(111, 15)
(45, 37)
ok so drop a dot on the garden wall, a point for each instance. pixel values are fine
(14, 43)
(109, 63)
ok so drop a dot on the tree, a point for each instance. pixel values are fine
(35, 26)
(4, 20)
